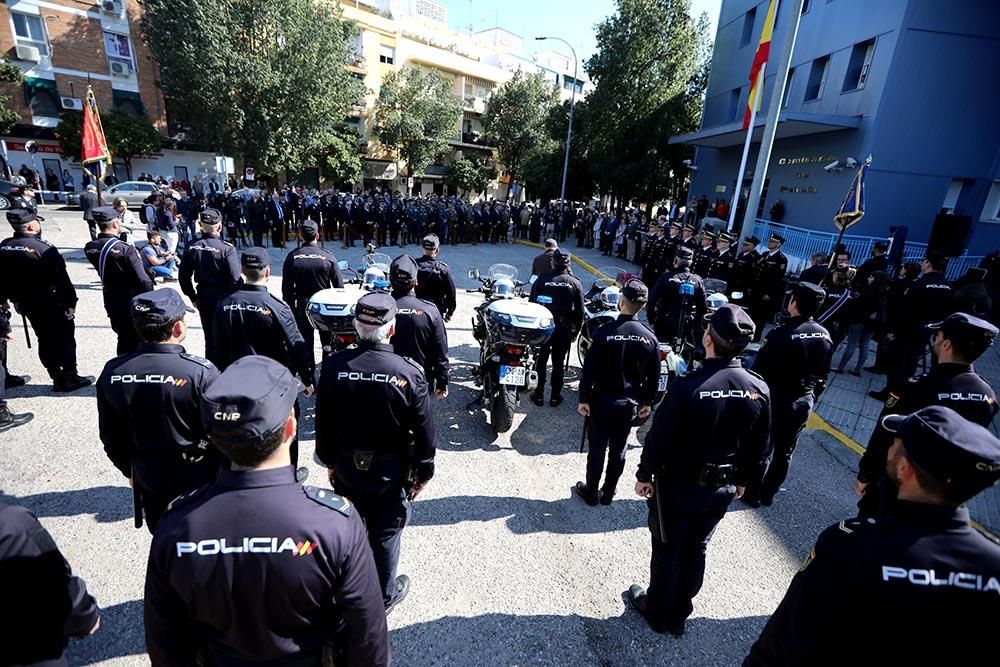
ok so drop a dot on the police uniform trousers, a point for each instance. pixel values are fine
(208, 299)
(763, 313)
(257, 230)
(677, 565)
(788, 418)
(56, 336)
(308, 333)
(608, 433)
(122, 324)
(558, 347)
(906, 353)
(3, 371)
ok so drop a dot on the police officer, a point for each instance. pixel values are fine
(677, 300)
(794, 361)
(744, 272)
(725, 260)
(45, 604)
(257, 569)
(434, 283)
(8, 418)
(953, 382)
(120, 268)
(33, 277)
(687, 236)
(562, 294)
(619, 382)
(420, 331)
(920, 586)
(708, 441)
(214, 265)
(705, 254)
(147, 408)
(307, 270)
(380, 463)
(770, 283)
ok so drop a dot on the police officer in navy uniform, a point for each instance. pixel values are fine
(562, 294)
(420, 331)
(147, 408)
(122, 274)
(255, 568)
(919, 586)
(744, 273)
(33, 278)
(307, 270)
(215, 266)
(956, 343)
(434, 282)
(709, 440)
(620, 376)
(725, 260)
(45, 603)
(677, 300)
(794, 360)
(705, 254)
(379, 473)
(770, 283)
(8, 418)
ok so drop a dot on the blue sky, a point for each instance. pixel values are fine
(573, 20)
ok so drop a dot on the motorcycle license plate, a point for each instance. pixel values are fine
(512, 375)
(662, 386)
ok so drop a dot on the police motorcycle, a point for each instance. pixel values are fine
(509, 331)
(600, 304)
(331, 311)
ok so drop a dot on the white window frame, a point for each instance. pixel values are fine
(953, 193)
(115, 58)
(386, 54)
(822, 79)
(865, 66)
(991, 210)
(43, 44)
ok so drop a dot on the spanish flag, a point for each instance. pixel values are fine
(95, 146)
(759, 59)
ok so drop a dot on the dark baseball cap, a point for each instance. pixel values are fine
(249, 401)
(732, 324)
(962, 456)
(20, 216)
(684, 252)
(375, 308)
(808, 295)
(255, 258)
(210, 216)
(561, 258)
(309, 227)
(105, 214)
(430, 242)
(635, 291)
(158, 307)
(403, 268)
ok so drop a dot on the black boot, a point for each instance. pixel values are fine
(70, 381)
(589, 497)
(402, 588)
(10, 420)
(537, 398)
(14, 381)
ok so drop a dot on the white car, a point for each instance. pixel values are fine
(133, 192)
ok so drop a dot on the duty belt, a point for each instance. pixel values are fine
(715, 474)
(364, 458)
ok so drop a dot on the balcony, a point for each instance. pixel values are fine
(356, 61)
(474, 104)
(471, 140)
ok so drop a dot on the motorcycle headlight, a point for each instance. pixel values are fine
(503, 318)
(545, 322)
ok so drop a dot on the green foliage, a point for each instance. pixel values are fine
(415, 116)
(8, 117)
(340, 162)
(470, 174)
(264, 81)
(128, 136)
(515, 119)
(544, 166)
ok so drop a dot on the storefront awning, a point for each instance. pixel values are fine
(790, 124)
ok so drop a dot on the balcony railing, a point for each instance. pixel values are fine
(474, 138)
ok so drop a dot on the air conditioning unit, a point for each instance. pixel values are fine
(112, 7)
(73, 103)
(28, 54)
(120, 69)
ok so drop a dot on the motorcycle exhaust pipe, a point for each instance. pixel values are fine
(532, 380)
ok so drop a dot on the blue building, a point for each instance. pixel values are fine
(914, 83)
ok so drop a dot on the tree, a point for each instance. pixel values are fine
(415, 116)
(544, 166)
(470, 174)
(515, 119)
(8, 117)
(264, 81)
(341, 160)
(128, 136)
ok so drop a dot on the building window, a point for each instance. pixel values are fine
(857, 68)
(817, 77)
(128, 101)
(748, 21)
(119, 51)
(42, 97)
(788, 87)
(29, 30)
(386, 54)
(569, 83)
(734, 105)
(805, 6)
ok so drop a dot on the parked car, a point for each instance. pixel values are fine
(133, 192)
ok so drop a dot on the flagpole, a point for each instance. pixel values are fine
(746, 150)
(773, 111)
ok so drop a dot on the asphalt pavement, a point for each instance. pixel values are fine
(508, 566)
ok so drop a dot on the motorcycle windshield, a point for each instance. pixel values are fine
(612, 275)
(379, 259)
(498, 271)
(713, 285)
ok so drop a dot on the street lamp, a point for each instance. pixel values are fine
(569, 130)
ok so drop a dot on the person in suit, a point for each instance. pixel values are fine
(276, 221)
(88, 202)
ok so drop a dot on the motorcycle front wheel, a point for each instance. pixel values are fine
(502, 408)
(582, 347)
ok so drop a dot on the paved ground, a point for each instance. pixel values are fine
(509, 568)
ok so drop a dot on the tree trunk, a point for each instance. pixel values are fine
(128, 167)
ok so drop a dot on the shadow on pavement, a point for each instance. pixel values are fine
(108, 504)
(121, 634)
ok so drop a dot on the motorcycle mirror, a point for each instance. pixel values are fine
(474, 274)
(343, 265)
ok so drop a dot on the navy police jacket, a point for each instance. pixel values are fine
(566, 298)
(421, 336)
(434, 283)
(307, 270)
(120, 268)
(622, 365)
(33, 274)
(213, 263)
(794, 359)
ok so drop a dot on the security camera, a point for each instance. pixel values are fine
(833, 166)
(851, 163)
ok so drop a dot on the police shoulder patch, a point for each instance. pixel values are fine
(329, 499)
(185, 497)
(201, 361)
(891, 401)
(413, 362)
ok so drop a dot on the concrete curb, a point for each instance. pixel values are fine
(576, 259)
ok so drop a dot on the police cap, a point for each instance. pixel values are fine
(105, 214)
(375, 308)
(255, 258)
(962, 456)
(403, 269)
(726, 237)
(158, 307)
(966, 329)
(676, 223)
(752, 240)
(777, 237)
(635, 291)
(561, 259)
(210, 216)
(309, 227)
(20, 216)
(249, 401)
(688, 227)
(709, 234)
(684, 252)
(732, 324)
(808, 296)
(430, 242)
